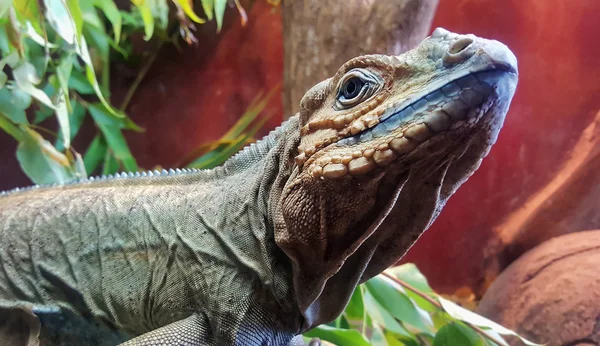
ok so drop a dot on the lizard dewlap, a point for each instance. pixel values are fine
(273, 242)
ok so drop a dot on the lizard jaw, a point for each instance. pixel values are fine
(407, 125)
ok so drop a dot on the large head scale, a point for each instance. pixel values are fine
(384, 143)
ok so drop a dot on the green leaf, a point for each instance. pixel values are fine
(76, 117)
(95, 154)
(13, 33)
(26, 77)
(59, 18)
(37, 55)
(398, 304)
(186, 6)
(147, 17)
(62, 115)
(4, 6)
(110, 10)
(99, 40)
(25, 73)
(90, 15)
(11, 59)
(256, 106)
(440, 318)
(340, 337)
(29, 10)
(63, 72)
(75, 10)
(391, 340)
(465, 315)
(80, 167)
(238, 135)
(91, 76)
(42, 163)
(10, 128)
(42, 114)
(217, 157)
(13, 105)
(160, 11)
(378, 337)
(37, 38)
(454, 334)
(79, 83)
(394, 339)
(208, 7)
(5, 47)
(355, 309)
(111, 165)
(341, 322)
(382, 317)
(3, 79)
(411, 275)
(113, 135)
(220, 12)
(496, 336)
(102, 116)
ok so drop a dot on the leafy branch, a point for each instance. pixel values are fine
(399, 307)
(55, 69)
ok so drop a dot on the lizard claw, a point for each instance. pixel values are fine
(299, 341)
(315, 342)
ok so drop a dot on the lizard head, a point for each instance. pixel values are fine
(383, 145)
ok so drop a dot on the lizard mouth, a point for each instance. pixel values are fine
(451, 106)
(447, 107)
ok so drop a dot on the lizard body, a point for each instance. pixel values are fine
(273, 242)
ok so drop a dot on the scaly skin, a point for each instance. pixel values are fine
(363, 194)
(274, 242)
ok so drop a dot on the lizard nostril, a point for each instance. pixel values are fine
(460, 50)
(460, 45)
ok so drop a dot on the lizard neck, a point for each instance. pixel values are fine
(234, 216)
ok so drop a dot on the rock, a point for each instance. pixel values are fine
(551, 294)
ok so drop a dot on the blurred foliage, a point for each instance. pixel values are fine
(215, 153)
(399, 308)
(55, 64)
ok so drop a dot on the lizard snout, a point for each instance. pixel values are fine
(461, 49)
(455, 49)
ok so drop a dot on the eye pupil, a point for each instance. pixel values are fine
(352, 88)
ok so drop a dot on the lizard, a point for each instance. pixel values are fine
(273, 242)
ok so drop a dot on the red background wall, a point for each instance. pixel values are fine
(556, 43)
(195, 95)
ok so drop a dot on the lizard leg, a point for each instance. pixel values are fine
(186, 332)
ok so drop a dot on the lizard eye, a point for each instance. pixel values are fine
(355, 87)
(352, 88)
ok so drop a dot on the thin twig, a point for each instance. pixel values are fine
(42, 129)
(414, 290)
(140, 77)
(439, 306)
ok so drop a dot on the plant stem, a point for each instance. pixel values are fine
(414, 290)
(41, 129)
(439, 306)
(140, 77)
